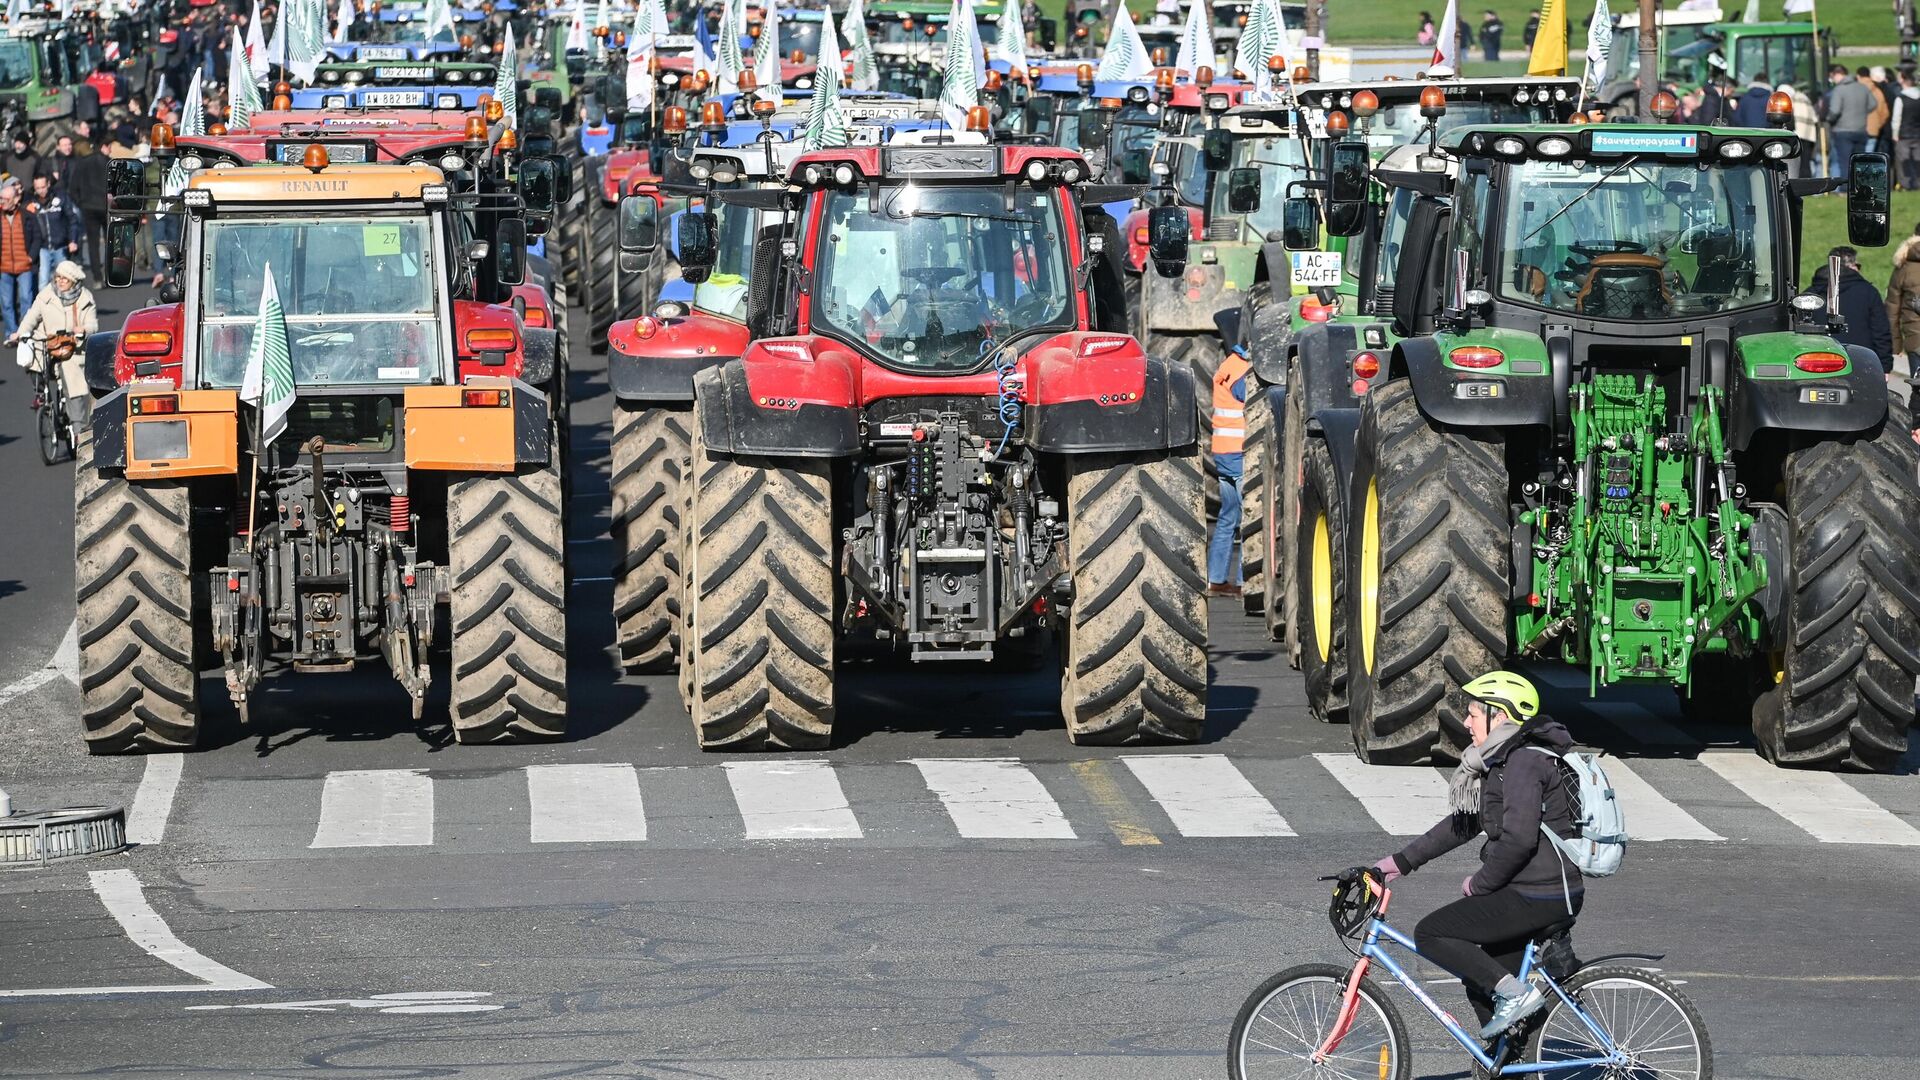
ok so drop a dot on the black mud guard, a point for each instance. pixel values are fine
(656, 379)
(1759, 404)
(1269, 337)
(539, 351)
(532, 425)
(1340, 427)
(103, 350)
(1165, 417)
(1524, 401)
(110, 430)
(1323, 352)
(733, 424)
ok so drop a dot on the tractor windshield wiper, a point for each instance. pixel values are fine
(1578, 199)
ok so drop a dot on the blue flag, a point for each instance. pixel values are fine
(703, 37)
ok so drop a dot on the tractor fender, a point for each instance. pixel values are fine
(735, 423)
(1073, 419)
(1759, 404)
(102, 350)
(660, 368)
(1269, 336)
(109, 422)
(1323, 352)
(540, 351)
(1523, 401)
(1339, 427)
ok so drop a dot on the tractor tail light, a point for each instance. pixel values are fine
(156, 405)
(1821, 363)
(483, 399)
(1101, 345)
(491, 340)
(1314, 311)
(1476, 356)
(1140, 235)
(147, 342)
(1366, 366)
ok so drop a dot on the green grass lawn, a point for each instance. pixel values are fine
(1824, 227)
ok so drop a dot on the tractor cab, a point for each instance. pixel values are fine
(1397, 116)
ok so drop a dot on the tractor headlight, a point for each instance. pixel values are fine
(1071, 172)
(192, 163)
(336, 101)
(1036, 172)
(1510, 146)
(700, 170)
(356, 77)
(329, 76)
(453, 163)
(844, 175)
(1553, 146)
(1521, 97)
(670, 79)
(1560, 94)
(812, 174)
(1736, 149)
(804, 82)
(1808, 303)
(1776, 149)
(447, 101)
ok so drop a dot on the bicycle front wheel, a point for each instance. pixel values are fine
(1646, 1016)
(1290, 1015)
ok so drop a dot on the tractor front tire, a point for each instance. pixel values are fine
(1852, 636)
(1288, 443)
(760, 601)
(133, 612)
(1321, 579)
(1427, 577)
(1256, 496)
(650, 447)
(507, 561)
(1134, 666)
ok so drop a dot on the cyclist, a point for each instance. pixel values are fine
(1505, 789)
(61, 318)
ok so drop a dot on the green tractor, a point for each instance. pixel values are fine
(1695, 45)
(1616, 434)
(44, 64)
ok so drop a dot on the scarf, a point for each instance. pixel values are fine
(1463, 791)
(67, 296)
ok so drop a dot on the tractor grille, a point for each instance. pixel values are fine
(43, 837)
(1224, 229)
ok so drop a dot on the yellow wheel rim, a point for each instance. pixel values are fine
(1369, 574)
(1322, 588)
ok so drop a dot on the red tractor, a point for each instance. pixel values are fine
(941, 440)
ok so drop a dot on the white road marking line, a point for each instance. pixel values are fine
(120, 892)
(994, 799)
(1205, 795)
(1822, 804)
(1651, 815)
(791, 800)
(153, 801)
(63, 664)
(376, 808)
(1405, 800)
(571, 804)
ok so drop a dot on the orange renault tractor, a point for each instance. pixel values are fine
(300, 486)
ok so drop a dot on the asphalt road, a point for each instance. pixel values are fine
(340, 888)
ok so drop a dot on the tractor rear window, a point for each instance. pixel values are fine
(1634, 240)
(16, 64)
(939, 271)
(358, 292)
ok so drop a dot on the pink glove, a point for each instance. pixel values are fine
(1389, 870)
(1466, 885)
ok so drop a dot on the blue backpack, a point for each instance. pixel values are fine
(1602, 840)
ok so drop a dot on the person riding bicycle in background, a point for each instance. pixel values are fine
(61, 318)
(1523, 886)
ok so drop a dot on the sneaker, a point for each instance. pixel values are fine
(1224, 590)
(1508, 1011)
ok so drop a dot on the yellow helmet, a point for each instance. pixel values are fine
(1509, 691)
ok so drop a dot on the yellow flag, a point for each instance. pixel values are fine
(1550, 41)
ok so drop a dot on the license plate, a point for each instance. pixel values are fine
(411, 73)
(1316, 268)
(879, 112)
(376, 52)
(394, 97)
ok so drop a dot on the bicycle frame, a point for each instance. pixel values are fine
(1372, 952)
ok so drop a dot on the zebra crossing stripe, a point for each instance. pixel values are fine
(584, 804)
(1821, 804)
(1651, 815)
(1404, 800)
(376, 808)
(791, 800)
(1205, 795)
(994, 799)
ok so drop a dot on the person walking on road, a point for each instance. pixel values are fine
(1229, 443)
(1490, 30)
(1849, 104)
(60, 319)
(19, 241)
(1860, 307)
(1903, 306)
(60, 226)
(87, 187)
(1507, 788)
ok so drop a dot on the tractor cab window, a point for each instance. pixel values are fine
(1281, 160)
(804, 36)
(1398, 125)
(939, 271)
(1778, 59)
(1635, 240)
(358, 294)
(724, 293)
(16, 63)
(1393, 234)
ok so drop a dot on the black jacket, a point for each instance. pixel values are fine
(87, 182)
(1522, 788)
(1865, 313)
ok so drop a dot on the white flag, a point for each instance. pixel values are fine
(277, 44)
(243, 97)
(1799, 7)
(256, 46)
(1011, 46)
(1753, 12)
(1599, 47)
(577, 27)
(343, 21)
(506, 81)
(1446, 42)
(1126, 58)
(306, 38)
(439, 17)
(193, 114)
(1196, 41)
(853, 30)
(959, 87)
(268, 384)
(766, 57)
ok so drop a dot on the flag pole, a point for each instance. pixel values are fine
(253, 492)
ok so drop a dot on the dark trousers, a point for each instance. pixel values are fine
(1906, 162)
(1481, 938)
(1842, 145)
(94, 244)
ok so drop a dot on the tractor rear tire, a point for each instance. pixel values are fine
(507, 560)
(1427, 577)
(1190, 349)
(133, 612)
(761, 601)
(1255, 494)
(649, 458)
(1134, 662)
(1852, 636)
(1322, 582)
(1283, 612)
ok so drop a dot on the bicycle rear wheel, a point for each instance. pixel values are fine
(1645, 1015)
(1289, 1016)
(51, 420)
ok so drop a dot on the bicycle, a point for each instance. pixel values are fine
(55, 422)
(1321, 1021)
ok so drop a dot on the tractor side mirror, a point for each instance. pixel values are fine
(562, 180)
(126, 183)
(639, 231)
(1243, 191)
(1217, 145)
(510, 251)
(1167, 235)
(123, 235)
(1096, 125)
(1347, 182)
(1300, 224)
(539, 145)
(698, 244)
(539, 181)
(1869, 198)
